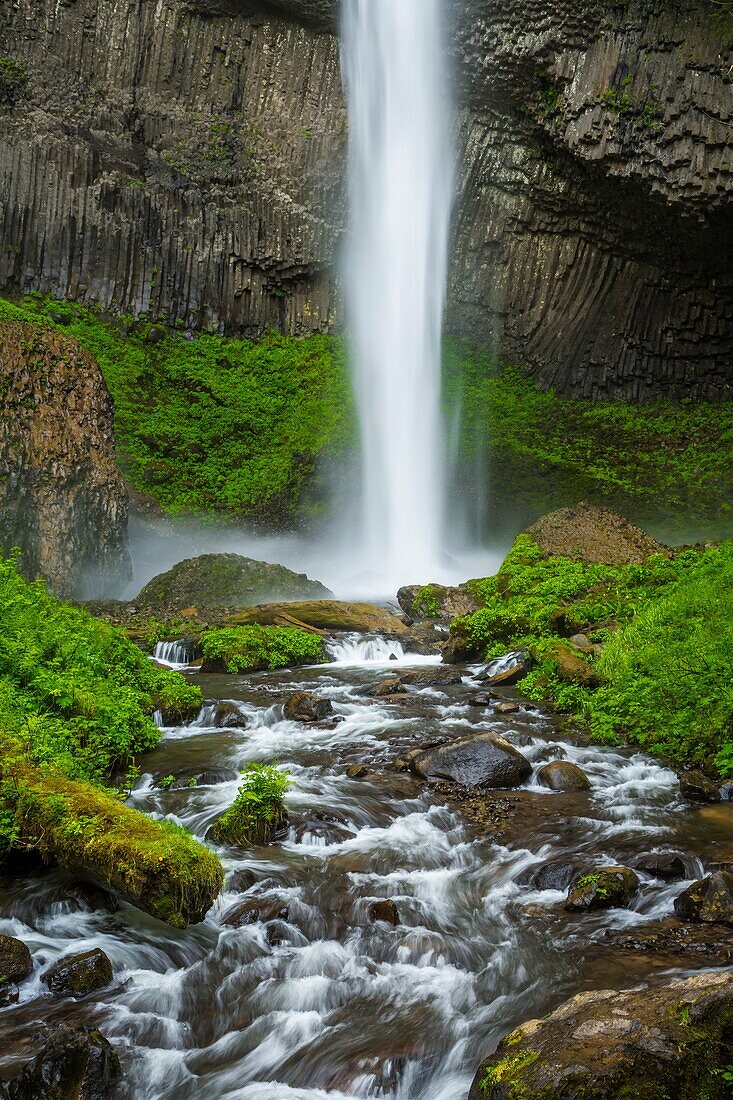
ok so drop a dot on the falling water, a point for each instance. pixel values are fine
(401, 190)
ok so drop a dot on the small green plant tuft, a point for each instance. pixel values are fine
(258, 809)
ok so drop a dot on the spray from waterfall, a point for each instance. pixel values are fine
(401, 180)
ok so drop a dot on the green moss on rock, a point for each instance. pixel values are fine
(258, 810)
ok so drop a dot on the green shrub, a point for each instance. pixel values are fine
(258, 808)
(246, 648)
(73, 690)
(665, 627)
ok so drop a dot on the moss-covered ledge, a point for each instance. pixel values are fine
(674, 1040)
(155, 865)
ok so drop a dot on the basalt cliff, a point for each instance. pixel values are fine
(185, 160)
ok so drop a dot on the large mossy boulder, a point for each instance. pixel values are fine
(328, 616)
(591, 534)
(74, 1064)
(674, 1040)
(484, 761)
(225, 580)
(439, 602)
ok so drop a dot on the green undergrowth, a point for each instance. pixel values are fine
(213, 423)
(248, 648)
(660, 673)
(76, 704)
(669, 462)
(258, 808)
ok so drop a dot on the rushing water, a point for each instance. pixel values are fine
(401, 190)
(320, 1002)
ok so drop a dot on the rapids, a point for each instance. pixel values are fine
(321, 1002)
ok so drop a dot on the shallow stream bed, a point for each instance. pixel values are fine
(317, 1000)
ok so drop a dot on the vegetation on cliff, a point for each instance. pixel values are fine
(657, 670)
(76, 703)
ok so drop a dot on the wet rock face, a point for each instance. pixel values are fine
(77, 975)
(594, 140)
(603, 888)
(487, 761)
(671, 1040)
(62, 498)
(563, 775)
(74, 1064)
(15, 962)
(696, 787)
(304, 706)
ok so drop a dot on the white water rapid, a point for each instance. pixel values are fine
(401, 177)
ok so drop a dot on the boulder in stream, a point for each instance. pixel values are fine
(696, 787)
(508, 670)
(710, 900)
(77, 975)
(553, 875)
(384, 910)
(225, 580)
(484, 761)
(668, 866)
(16, 962)
(563, 775)
(603, 888)
(305, 706)
(672, 1040)
(74, 1064)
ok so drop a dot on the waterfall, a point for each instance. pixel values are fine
(401, 178)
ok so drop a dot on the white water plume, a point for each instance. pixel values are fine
(401, 178)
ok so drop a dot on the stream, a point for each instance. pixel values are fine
(317, 1000)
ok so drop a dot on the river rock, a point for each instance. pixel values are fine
(507, 708)
(240, 881)
(224, 580)
(483, 698)
(391, 686)
(606, 1045)
(16, 962)
(669, 866)
(77, 975)
(438, 676)
(484, 761)
(603, 888)
(229, 717)
(554, 875)
(696, 787)
(93, 898)
(256, 911)
(304, 706)
(508, 670)
(62, 498)
(384, 910)
(437, 601)
(328, 616)
(572, 668)
(74, 1064)
(710, 900)
(592, 534)
(563, 775)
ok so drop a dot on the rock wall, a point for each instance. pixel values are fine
(186, 160)
(62, 499)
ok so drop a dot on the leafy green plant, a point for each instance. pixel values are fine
(246, 648)
(257, 810)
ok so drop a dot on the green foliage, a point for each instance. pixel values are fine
(257, 809)
(428, 601)
(547, 451)
(664, 634)
(13, 81)
(74, 691)
(244, 648)
(214, 423)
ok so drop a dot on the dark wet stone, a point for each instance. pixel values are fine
(711, 944)
(508, 670)
(9, 994)
(603, 888)
(15, 960)
(696, 787)
(93, 898)
(483, 699)
(74, 1064)
(391, 686)
(486, 761)
(357, 771)
(669, 866)
(507, 708)
(431, 677)
(304, 706)
(240, 881)
(323, 827)
(77, 975)
(211, 777)
(710, 900)
(229, 716)
(563, 775)
(384, 910)
(555, 875)
(256, 911)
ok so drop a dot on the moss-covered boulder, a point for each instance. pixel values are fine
(329, 616)
(438, 601)
(674, 1040)
(604, 888)
(591, 534)
(77, 975)
(225, 580)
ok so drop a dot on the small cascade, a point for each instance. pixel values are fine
(175, 655)
(365, 649)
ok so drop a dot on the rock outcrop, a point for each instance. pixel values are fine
(193, 169)
(74, 1064)
(588, 533)
(671, 1040)
(62, 498)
